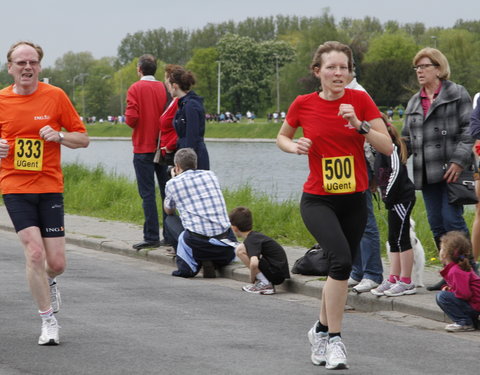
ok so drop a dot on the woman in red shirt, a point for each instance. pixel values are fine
(336, 122)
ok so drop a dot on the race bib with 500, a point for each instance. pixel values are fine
(28, 154)
(339, 175)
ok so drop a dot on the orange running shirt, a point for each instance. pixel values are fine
(21, 118)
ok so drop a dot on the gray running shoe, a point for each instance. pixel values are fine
(380, 290)
(55, 297)
(318, 341)
(49, 335)
(336, 354)
(400, 289)
(259, 288)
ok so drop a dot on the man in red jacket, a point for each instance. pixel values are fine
(146, 101)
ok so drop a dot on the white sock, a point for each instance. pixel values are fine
(260, 276)
(46, 314)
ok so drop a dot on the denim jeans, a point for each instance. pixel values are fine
(442, 217)
(145, 171)
(457, 309)
(173, 227)
(368, 262)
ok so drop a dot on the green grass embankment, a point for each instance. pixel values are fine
(99, 194)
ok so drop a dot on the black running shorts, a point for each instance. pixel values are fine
(44, 211)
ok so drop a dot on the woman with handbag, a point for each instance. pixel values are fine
(436, 130)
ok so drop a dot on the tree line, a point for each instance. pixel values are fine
(263, 63)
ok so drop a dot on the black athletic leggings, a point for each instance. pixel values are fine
(337, 222)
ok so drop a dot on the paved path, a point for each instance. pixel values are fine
(118, 237)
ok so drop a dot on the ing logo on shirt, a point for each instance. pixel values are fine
(43, 117)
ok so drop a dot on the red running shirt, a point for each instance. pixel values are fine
(332, 138)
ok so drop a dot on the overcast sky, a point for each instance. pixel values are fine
(98, 26)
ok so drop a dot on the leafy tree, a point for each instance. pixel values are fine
(98, 89)
(67, 67)
(461, 47)
(247, 68)
(204, 64)
(388, 76)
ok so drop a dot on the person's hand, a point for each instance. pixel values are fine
(452, 173)
(4, 148)
(303, 146)
(49, 134)
(347, 112)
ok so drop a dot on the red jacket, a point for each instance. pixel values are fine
(146, 101)
(464, 285)
(168, 137)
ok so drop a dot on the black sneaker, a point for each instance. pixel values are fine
(146, 245)
(208, 269)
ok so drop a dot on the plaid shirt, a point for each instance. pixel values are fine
(197, 196)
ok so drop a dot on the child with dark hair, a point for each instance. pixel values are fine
(460, 297)
(398, 194)
(265, 258)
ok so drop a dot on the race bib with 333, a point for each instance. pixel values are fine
(28, 154)
(339, 175)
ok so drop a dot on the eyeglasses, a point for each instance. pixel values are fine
(23, 64)
(423, 66)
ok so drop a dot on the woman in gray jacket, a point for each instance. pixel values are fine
(436, 128)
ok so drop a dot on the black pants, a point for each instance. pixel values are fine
(337, 223)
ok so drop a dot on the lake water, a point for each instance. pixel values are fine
(261, 165)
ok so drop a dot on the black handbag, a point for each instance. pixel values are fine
(462, 191)
(315, 262)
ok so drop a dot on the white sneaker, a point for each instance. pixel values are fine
(352, 282)
(336, 354)
(318, 343)
(365, 285)
(380, 290)
(400, 288)
(49, 334)
(455, 327)
(55, 297)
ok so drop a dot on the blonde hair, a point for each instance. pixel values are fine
(437, 58)
(23, 42)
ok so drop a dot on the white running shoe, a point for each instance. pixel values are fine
(455, 327)
(55, 297)
(400, 288)
(49, 334)
(352, 282)
(380, 290)
(336, 354)
(318, 341)
(365, 285)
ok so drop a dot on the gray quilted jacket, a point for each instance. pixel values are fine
(449, 112)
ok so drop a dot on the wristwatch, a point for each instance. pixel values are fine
(61, 137)
(364, 127)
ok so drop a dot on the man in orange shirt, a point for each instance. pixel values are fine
(32, 115)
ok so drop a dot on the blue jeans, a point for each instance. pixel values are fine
(442, 217)
(173, 227)
(457, 309)
(368, 262)
(145, 171)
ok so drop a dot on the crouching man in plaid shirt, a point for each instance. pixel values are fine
(205, 238)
